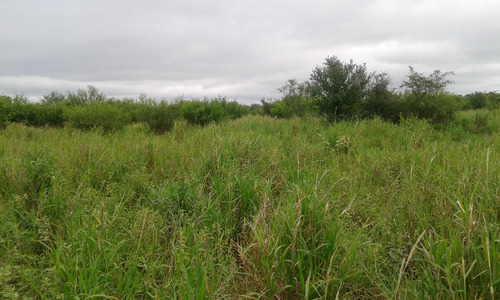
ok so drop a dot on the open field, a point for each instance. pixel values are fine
(253, 208)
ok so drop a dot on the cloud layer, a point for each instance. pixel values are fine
(243, 50)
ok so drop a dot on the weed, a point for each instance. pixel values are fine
(251, 208)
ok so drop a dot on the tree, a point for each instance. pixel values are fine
(293, 88)
(339, 87)
(20, 99)
(425, 97)
(477, 100)
(294, 103)
(53, 98)
(420, 86)
(380, 98)
(92, 94)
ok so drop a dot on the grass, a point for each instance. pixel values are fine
(254, 208)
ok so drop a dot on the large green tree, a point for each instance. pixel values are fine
(340, 87)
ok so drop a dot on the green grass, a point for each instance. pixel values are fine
(254, 208)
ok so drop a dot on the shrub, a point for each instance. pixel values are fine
(102, 115)
(47, 115)
(292, 106)
(476, 100)
(139, 112)
(194, 112)
(436, 109)
(161, 117)
(197, 112)
(380, 100)
(235, 110)
(21, 112)
(266, 107)
(5, 103)
(478, 121)
(493, 101)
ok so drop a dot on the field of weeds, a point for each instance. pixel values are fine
(255, 208)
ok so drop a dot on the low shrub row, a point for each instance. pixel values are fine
(76, 110)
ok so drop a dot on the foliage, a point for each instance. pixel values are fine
(420, 86)
(340, 87)
(425, 97)
(53, 98)
(346, 91)
(476, 122)
(20, 99)
(493, 100)
(49, 115)
(5, 103)
(436, 109)
(101, 115)
(22, 112)
(295, 102)
(290, 107)
(381, 101)
(293, 89)
(476, 100)
(92, 94)
(479, 100)
(82, 110)
(161, 117)
(197, 112)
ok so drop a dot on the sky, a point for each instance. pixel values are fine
(242, 50)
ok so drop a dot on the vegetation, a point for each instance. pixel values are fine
(339, 87)
(256, 207)
(89, 109)
(345, 188)
(335, 91)
(479, 100)
(338, 91)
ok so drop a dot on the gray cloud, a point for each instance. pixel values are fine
(240, 49)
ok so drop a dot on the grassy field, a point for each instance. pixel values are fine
(255, 208)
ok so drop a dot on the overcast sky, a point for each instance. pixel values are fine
(242, 49)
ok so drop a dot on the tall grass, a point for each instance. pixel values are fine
(253, 208)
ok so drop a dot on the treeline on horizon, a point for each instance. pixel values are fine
(336, 90)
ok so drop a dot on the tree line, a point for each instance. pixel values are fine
(335, 90)
(340, 90)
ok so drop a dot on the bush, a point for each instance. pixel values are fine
(478, 121)
(161, 117)
(291, 106)
(20, 112)
(197, 112)
(103, 115)
(194, 112)
(436, 109)
(47, 115)
(235, 110)
(5, 103)
(380, 100)
(476, 100)
(493, 101)
(139, 112)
